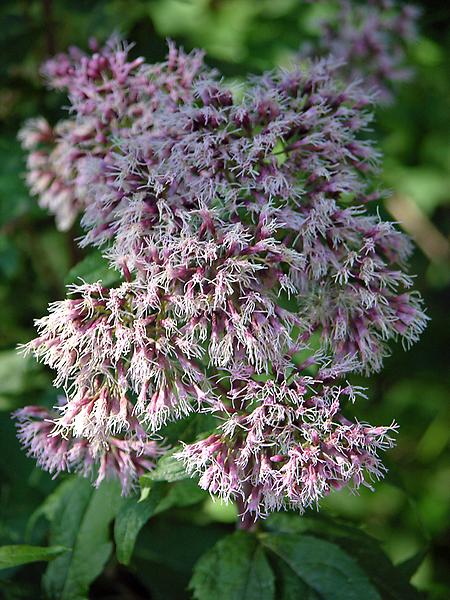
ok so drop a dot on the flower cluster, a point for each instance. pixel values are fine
(239, 224)
(109, 457)
(112, 97)
(50, 165)
(286, 445)
(370, 40)
(205, 299)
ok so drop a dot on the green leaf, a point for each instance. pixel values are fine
(168, 468)
(409, 567)
(131, 518)
(236, 568)
(180, 494)
(13, 556)
(134, 514)
(17, 373)
(323, 566)
(288, 585)
(50, 506)
(388, 579)
(92, 269)
(81, 522)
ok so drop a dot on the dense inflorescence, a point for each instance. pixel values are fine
(50, 164)
(286, 445)
(370, 40)
(239, 222)
(111, 97)
(108, 457)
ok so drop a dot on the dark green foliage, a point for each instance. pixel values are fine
(296, 559)
(236, 568)
(392, 583)
(175, 543)
(156, 499)
(131, 518)
(321, 566)
(81, 522)
(167, 550)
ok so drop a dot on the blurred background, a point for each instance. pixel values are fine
(409, 513)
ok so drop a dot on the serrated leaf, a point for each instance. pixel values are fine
(92, 269)
(323, 566)
(168, 468)
(13, 556)
(131, 518)
(236, 568)
(388, 579)
(81, 522)
(288, 585)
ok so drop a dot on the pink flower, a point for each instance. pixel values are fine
(287, 446)
(111, 457)
(371, 41)
(241, 230)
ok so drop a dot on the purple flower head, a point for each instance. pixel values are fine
(50, 169)
(240, 226)
(286, 445)
(371, 41)
(119, 359)
(111, 96)
(111, 457)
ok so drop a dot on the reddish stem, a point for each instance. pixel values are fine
(246, 520)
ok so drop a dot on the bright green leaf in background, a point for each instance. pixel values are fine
(91, 269)
(13, 556)
(18, 376)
